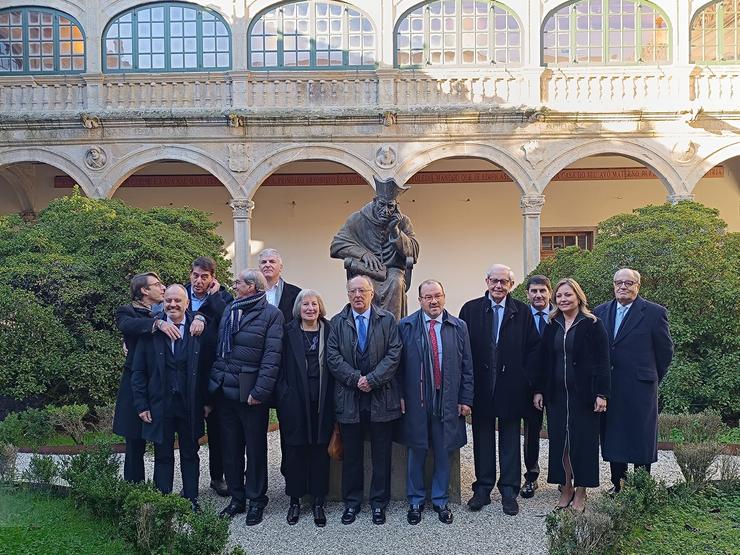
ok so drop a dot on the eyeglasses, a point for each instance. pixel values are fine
(430, 298)
(154, 284)
(498, 281)
(358, 291)
(625, 282)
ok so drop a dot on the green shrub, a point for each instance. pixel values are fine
(70, 419)
(695, 459)
(201, 533)
(691, 428)
(28, 428)
(150, 519)
(104, 417)
(42, 471)
(8, 459)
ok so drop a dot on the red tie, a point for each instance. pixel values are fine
(435, 355)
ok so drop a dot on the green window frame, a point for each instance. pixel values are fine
(715, 33)
(606, 32)
(458, 33)
(311, 35)
(167, 37)
(40, 41)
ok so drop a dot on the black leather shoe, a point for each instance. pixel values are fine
(378, 516)
(478, 501)
(254, 515)
(294, 513)
(511, 507)
(195, 506)
(231, 510)
(349, 515)
(220, 487)
(614, 490)
(414, 514)
(319, 516)
(444, 513)
(529, 489)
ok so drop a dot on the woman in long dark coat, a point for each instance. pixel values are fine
(575, 381)
(305, 406)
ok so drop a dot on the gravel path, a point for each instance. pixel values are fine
(489, 531)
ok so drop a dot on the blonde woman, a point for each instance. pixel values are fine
(574, 385)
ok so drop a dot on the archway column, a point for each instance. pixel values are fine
(531, 205)
(242, 211)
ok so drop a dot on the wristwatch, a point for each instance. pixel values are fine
(200, 317)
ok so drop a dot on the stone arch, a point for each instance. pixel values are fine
(501, 158)
(638, 152)
(267, 166)
(59, 161)
(112, 9)
(716, 158)
(135, 160)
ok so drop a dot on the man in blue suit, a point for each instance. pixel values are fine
(641, 350)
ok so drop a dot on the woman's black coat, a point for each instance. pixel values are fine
(293, 402)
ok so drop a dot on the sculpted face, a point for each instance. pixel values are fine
(200, 280)
(539, 296)
(626, 286)
(432, 299)
(384, 209)
(499, 282)
(360, 294)
(175, 302)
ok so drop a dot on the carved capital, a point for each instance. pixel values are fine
(678, 197)
(96, 158)
(242, 208)
(532, 204)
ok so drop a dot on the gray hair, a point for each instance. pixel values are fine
(299, 300)
(264, 253)
(366, 278)
(178, 286)
(254, 277)
(495, 267)
(637, 275)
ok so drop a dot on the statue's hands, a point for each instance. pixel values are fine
(371, 261)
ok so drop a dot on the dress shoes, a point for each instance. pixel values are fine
(614, 490)
(319, 516)
(254, 515)
(195, 506)
(349, 515)
(294, 513)
(529, 489)
(478, 501)
(414, 514)
(510, 506)
(444, 514)
(220, 487)
(378, 516)
(231, 510)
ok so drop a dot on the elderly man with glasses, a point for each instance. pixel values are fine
(641, 351)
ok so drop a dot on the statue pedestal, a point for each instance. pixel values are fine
(398, 475)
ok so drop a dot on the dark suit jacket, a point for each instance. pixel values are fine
(287, 300)
(517, 363)
(149, 383)
(212, 310)
(640, 356)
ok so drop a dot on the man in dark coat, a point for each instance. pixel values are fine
(279, 293)
(505, 346)
(539, 293)
(169, 386)
(136, 320)
(436, 376)
(363, 352)
(207, 301)
(641, 351)
(242, 381)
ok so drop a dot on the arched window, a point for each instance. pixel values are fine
(170, 36)
(458, 32)
(40, 40)
(312, 35)
(606, 32)
(715, 33)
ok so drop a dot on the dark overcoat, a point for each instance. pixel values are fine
(457, 380)
(291, 391)
(134, 323)
(640, 356)
(517, 362)
(287, 300)
(149, 382)
(212, 310)
(383, 350)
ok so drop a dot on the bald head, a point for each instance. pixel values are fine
(175, 302)
(500, 280)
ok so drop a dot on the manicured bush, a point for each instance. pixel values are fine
(42, 471)
(28, 428)
(104, 417)
(692, 428)
(8, 458)
(695, 459)
(70, 419)
(688, 263)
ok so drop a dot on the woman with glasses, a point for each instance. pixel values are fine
(304, 395)
(575, 383)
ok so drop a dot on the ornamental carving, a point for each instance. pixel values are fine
(96, 158)
(242, 208)
(239, 159)
(532, 204)
(389, 118)
(90, 122)
(533, 152)
(236, 120)
(385, 157)
(684, 151)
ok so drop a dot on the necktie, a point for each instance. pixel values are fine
(435, 355)
(496, 308)
(361, 332)
(621, 311)
(541, 322)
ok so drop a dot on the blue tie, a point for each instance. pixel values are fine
(621, 311)
(361, 333)
(541, 322)
(496, 308)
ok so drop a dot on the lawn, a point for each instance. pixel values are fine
(39, 524)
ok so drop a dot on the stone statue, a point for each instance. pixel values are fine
(378, 241)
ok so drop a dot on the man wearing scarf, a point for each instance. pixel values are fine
(242, 380)
(436, 376)
(378, 241)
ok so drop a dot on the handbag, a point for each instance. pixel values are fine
(335, 448)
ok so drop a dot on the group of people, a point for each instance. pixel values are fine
(363, 374)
